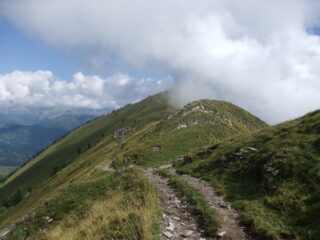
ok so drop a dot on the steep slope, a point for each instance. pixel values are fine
(272, 176)
(146, 133)
(79, 141)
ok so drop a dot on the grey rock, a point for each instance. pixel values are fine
(48, 219)
(273, 171)
(120, 133)
(106, 168)
(167, 234)
(4, 232)
(170, 227)
(186, 233)
(253, 149)
(222, 234)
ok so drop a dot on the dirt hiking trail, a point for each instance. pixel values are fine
(179, 223)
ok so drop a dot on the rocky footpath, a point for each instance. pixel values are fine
(229, 219)
(177, 221)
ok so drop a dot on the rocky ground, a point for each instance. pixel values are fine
(177, 220)
(179, 223)
(229, 219)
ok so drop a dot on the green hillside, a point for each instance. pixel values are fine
(272, 176)
(151, 122)
(185, 130)
(155, 133)
(79, 141)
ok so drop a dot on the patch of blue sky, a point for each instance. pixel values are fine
(20, 51)
(314, 30)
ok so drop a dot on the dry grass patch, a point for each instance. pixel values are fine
(109, 220)
(118, 205)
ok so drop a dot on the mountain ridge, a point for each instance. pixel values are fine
(155, 134)
(129, 114)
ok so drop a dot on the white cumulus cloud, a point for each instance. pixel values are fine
(257, 54)
(41, 88)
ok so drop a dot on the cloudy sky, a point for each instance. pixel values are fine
(261, 55)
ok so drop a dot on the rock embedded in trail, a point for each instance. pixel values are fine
(186, 233)
(167, 234)
(170, 227)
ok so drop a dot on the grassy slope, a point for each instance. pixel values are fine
(146, 119)
(72, 202)
(200, 123)
(80, 155)
(103, 149)
(277, 186)
(67, 149)
(109, 205)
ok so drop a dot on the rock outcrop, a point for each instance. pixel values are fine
(120, 133)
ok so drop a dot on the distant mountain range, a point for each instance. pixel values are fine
(24, 131)
(27, 115)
